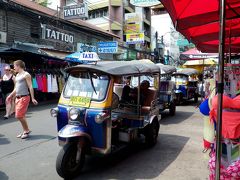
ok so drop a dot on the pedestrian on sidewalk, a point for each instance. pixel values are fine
(22, 88)
(7, 86)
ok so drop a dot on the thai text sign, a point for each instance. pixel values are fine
(108, 47)
(135, 38)
(144, 3)
(132, 28)
(132, 18)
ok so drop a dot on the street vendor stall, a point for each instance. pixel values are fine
(213, 26)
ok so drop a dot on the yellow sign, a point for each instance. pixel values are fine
(135, 38)
(80, 101)
(132, 28)
(132, 18)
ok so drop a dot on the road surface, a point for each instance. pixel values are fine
(177, 155)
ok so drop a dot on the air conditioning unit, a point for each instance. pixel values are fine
(3, 37)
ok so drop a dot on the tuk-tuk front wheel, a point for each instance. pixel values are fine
(151, 133)
(70, 160)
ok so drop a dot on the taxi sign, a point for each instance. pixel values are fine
(82, 57)
(89, 56)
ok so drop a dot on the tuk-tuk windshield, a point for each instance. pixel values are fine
(86, 84)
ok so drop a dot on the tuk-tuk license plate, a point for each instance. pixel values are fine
(80, 101)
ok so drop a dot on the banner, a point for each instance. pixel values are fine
(135, 38)
(132, 28)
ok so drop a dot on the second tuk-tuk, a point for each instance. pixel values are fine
(167, 97)
(186, 85)
(98, 113)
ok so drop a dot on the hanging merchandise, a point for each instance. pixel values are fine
(34, 83)
(39, 82)
(49, 82)
(54, 84)
(44, 82)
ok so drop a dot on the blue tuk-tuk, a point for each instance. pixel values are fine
(100, 112)
(186, 85)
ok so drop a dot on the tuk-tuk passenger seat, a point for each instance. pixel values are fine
(151, 96)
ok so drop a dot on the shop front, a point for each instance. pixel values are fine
(29, 32)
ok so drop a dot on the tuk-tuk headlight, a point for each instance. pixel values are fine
(73, 114)
(54, 112)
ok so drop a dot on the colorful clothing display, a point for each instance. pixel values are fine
(34, 83)
(54, 84)
(49, 82)
(44, 82)
(39, 82)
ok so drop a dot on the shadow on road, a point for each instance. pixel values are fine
(136, 162)
(179, 117)
(3, 176)
(3, 141)
(34, 137)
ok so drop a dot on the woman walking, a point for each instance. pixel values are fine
(7, 85)
(21, 91)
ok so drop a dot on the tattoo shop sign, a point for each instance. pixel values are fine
(56, 34)
(75, 11)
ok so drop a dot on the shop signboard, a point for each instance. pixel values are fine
(56, 34)
(132, 28)
(75, 11)
(107, 47)
(144, 3)
(132, 55)
(135, 38)
(83, 47)
(132, 18)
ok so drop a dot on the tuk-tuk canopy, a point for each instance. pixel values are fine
(166, 69)
(119, 68)
(187, 71)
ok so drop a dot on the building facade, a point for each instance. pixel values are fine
(27, 22)
(110, 15)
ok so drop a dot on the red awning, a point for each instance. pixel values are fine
(198, 22)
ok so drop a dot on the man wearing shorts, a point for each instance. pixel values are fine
(23, 85)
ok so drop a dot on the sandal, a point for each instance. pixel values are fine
(6, 117)
(24, 135)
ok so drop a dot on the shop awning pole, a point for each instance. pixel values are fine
(220, 86)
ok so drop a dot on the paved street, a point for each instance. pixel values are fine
(176, 156)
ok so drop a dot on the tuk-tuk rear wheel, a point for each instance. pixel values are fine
(67, 165)
(151, 133)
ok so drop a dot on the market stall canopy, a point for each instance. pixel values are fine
(195, 54)
(119, 68)
(166, 69)
(205, 62)
(198, 21)
(187, 71)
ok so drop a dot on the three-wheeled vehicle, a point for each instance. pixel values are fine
(186, 85)
(167, 95)
(97, 113)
